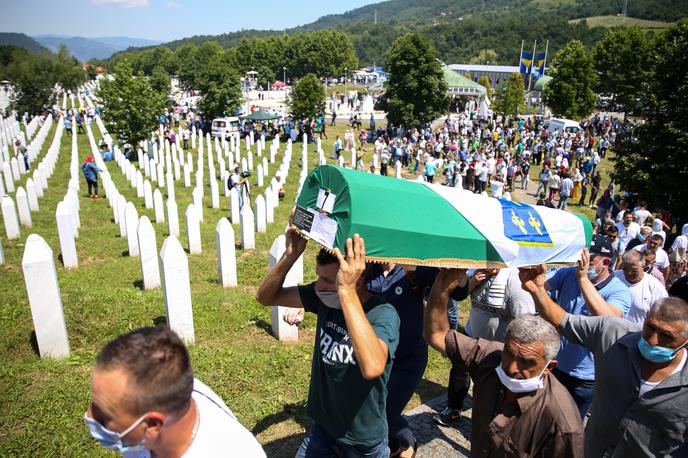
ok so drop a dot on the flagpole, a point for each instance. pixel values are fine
(520, 56)
(530, 77)
(545, 63)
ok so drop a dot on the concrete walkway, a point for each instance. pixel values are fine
(436, 441)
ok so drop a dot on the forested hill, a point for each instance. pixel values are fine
(459, 29)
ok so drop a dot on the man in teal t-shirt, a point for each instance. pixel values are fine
(356, 337)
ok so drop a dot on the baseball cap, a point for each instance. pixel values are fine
(599, 245)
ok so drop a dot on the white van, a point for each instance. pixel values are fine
(562, 125)
(224, 127)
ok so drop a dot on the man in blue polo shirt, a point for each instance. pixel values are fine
(589, 289)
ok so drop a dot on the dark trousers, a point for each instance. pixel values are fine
(459, 383)
(92, 186)
(403, 380)
(581, 390)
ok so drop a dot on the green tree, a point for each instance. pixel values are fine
(307, 98)
(220, 88)
(33, 79)
(651, 159)
(570, 93)
(485, 81)
(485, 57)
(510, 98)
(160, 81)
(622, 60)
(416, 91)
(131, 106)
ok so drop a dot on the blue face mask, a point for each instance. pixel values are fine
(110, 439)
(655, 353)
(641, 237)
(592, 273)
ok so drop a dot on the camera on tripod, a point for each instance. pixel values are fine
(245, 174)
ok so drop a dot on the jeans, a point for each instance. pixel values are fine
(581, 390)
(407, 372)
(453, 313)
(318, 443)
(541, 187)
(563, 198)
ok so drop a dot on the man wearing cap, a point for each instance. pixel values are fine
(587, 289)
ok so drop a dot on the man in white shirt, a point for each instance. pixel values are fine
(146, 402)
(654, 245)
(640, 214)
(645, 289)
(628, 229)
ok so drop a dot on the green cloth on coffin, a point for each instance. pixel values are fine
(401, 221)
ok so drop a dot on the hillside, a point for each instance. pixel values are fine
(461, 28)
(85, 49)
(615, 21)
(21, 40)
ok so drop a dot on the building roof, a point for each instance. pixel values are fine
(484, 68)
(459, 84)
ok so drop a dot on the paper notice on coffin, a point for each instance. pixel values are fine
(316, 226)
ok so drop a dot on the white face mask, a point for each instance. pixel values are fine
(520, 385)
(330, 299)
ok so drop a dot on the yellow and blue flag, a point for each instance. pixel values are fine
(526, 62)
(539, 64)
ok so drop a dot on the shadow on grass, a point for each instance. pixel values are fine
(160, 321)
(427, 390)
(125, 253)
(34, 343)
(264, 325)
(286, 446)
(138, 284)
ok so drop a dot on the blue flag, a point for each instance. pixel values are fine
(526, 62)
(539, 63)
(524, 225)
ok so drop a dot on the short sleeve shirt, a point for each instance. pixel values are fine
(574, 359)
(348, 407)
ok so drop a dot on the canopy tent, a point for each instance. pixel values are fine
(541, 82)
(434, 225)
(260, 115)
(460, 85)
(278, 84)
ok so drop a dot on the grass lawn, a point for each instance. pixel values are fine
(615, 21)
(264, 382)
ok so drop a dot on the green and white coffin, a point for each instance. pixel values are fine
(417, 223)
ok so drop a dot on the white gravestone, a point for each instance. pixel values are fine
(170, 185)
(23, 207)
(158, 206)
(148, 254)
(197, 197)
(7, 175)
(139, 184)
(69, 205)
(280, 329)
(269, 207)
(187, 175)
(214, 193)
(248, 235)
(259, 175)
(177, 289)
(234, 205)
(121, 206)
(31, 194)
(397, 169)
(131, 217)
(9, 216)
(261, 222)
(147, 194)
(193, 229)
(43, 291)
(2, 253)
(172, 217)
(66, 235)
(226, 253)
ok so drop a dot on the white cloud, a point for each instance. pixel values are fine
(127, 3)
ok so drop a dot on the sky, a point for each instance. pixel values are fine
(162, 20)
